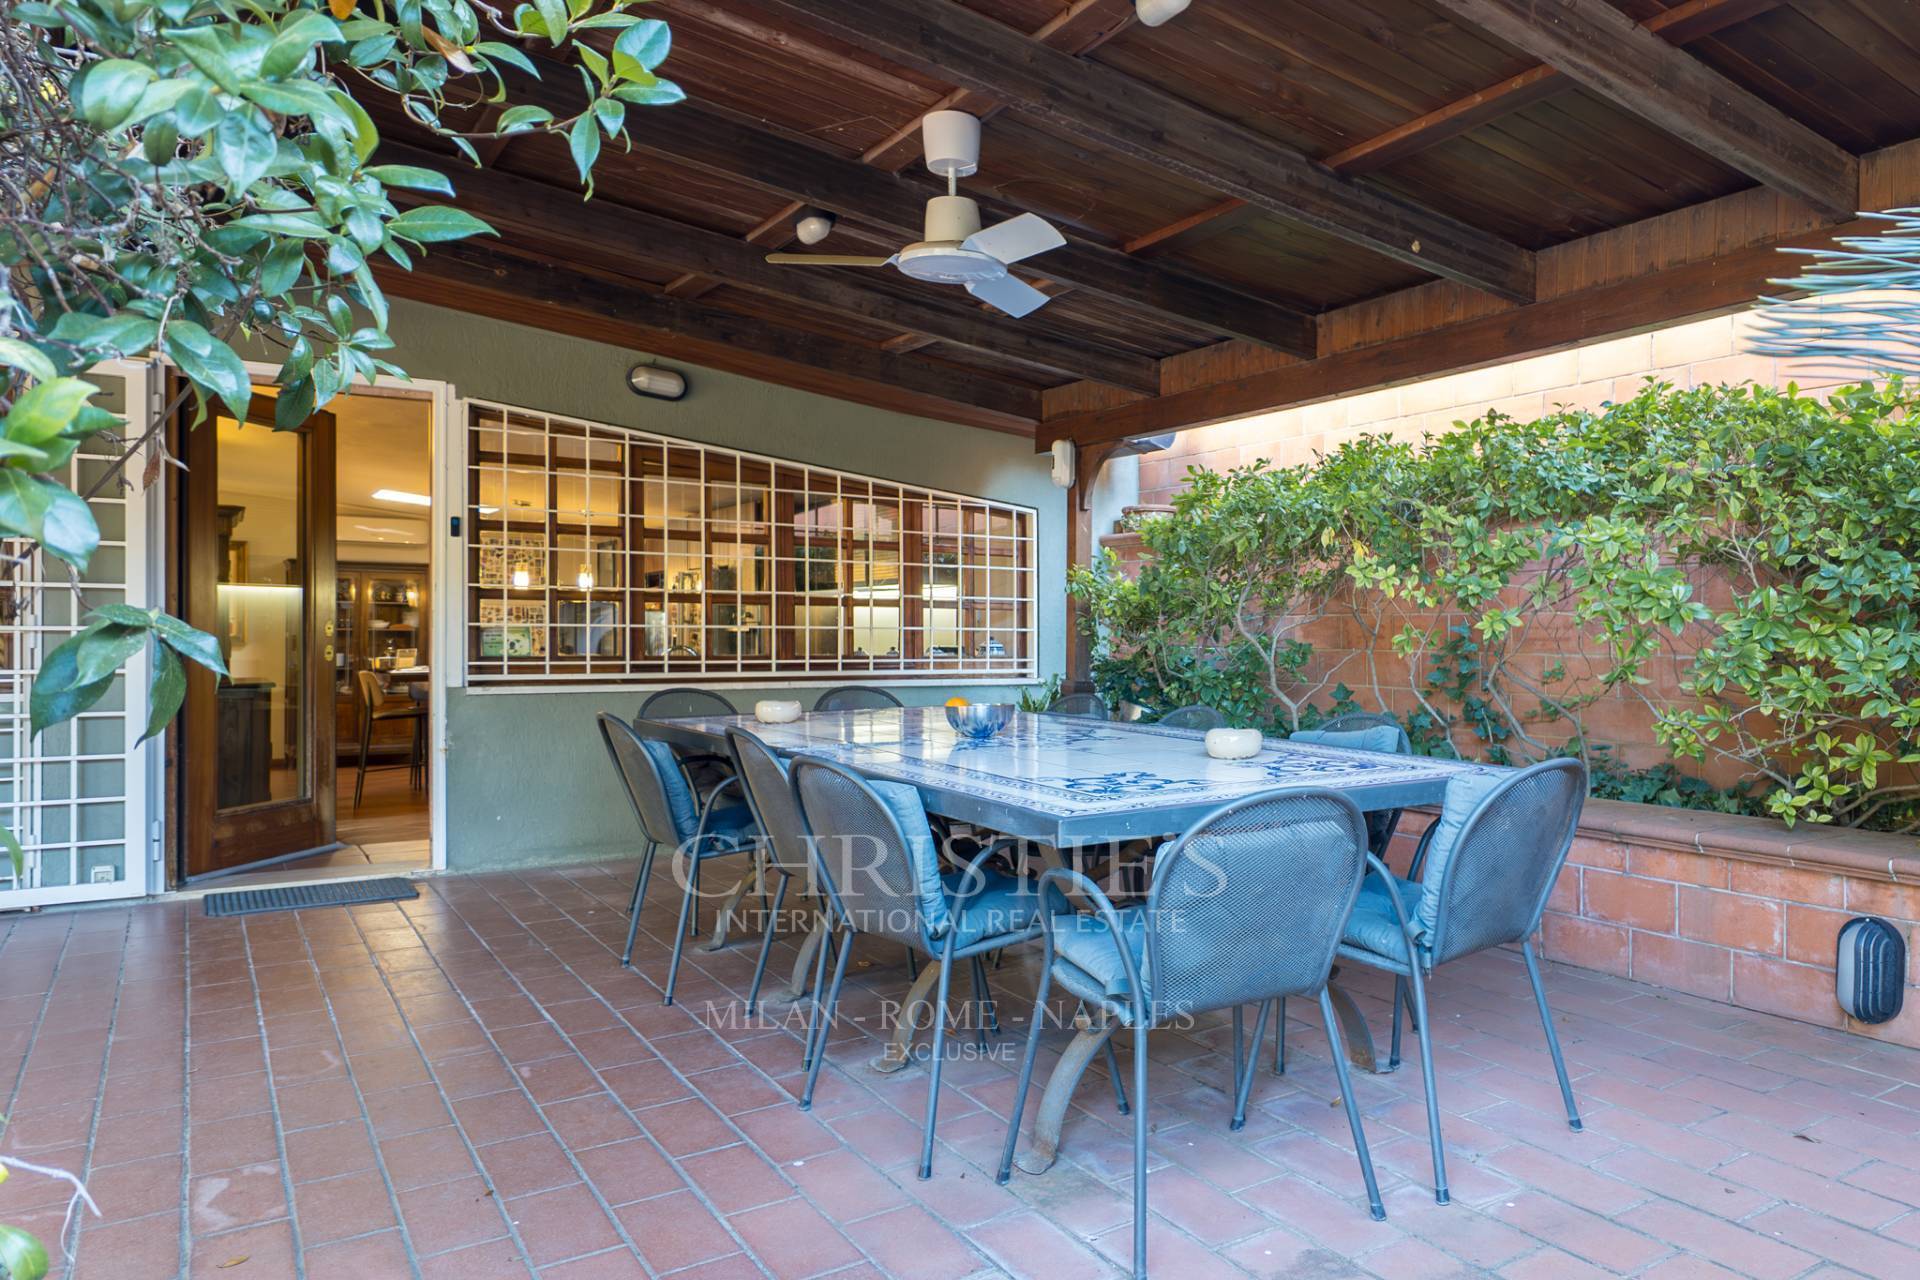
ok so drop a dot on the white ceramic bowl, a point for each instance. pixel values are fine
(772, 711)
(1233, 744)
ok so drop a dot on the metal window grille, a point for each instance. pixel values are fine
(76, 795)
(599, 553)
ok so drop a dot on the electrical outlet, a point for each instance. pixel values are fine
(104, 875)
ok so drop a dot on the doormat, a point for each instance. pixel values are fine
(294, 897)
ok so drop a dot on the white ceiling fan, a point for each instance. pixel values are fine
(956, 249)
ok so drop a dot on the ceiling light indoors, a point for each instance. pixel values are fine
(399, 495)
(813, 228)
(1153, 13)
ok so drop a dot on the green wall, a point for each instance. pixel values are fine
(527, 778)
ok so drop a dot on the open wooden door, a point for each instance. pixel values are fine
(257, 562)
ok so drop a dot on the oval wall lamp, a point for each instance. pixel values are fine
(661, 384)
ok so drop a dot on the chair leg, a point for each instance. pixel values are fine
(1553, 1038)
(366, 740)
(766, 945)
(1026, 1076)
(983, 995)
(1399, 998)
(1139, 1152)
(939, 1057)
(818, 990)
(1280, 1036)
(1339, 1050)
(1113, 1073)
(634, 903)
(680, 933)
(1418, 986)
(826, 1021)
(1244, 1069)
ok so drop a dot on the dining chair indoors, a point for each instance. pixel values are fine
(881, 876)
(1197, 716)
(1247, 906)
(856, 697)
(1087, 705)
(1485, 868)
(376, 707)
(670, 817)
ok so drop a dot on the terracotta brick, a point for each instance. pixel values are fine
(1731, 920)
(1877, 898)
(1587, 943)
(1813, 934)
(1687, 868)
(1642, 904)
(1788, 884)
(1791, 990)
(1565, 896)
(1693, 967)
(1608, 855)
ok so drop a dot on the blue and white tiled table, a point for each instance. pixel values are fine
(1065, 781)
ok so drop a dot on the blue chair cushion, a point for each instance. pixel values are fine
(730, 828)
(1086, 944)
(1465, 792)
(1002, 904)
(904, 802)
(1383, 737)
(1374, 927)
(680, 802)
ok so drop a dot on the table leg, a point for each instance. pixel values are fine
(796, 988)
(1043, 1142)
(728, 907)
(1353, 1029)
(900, 1044)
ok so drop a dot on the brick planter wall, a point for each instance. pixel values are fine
(1741, 910)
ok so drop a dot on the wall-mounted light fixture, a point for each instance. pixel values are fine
(661, 384)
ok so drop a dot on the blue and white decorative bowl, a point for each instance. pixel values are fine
(980, 720)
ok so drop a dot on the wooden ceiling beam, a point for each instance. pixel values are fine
(1107, 108)
(1682, 24)
(1602, 49)
(619, 232)
(491, 282)
(707, 139)
(1635, 305)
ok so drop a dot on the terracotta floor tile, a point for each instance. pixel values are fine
(562, 1223)
(336, 1208)
(451, 1215)
(674, 1231)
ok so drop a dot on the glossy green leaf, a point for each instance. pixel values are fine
(583, 141)
(189, 643)
(57, 695)
(16, 354)
(211, 363)
(107, 92)
(166, 692)
(49, 513)
(104, 650)
(23, 1256)
(647, 42)
(17, 856)
(243, 148)
(46, 409)
(412, 177)
(432, 224)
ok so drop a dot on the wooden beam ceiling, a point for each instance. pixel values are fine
(489, 281)
(1604, 50)
(1650, 301)
(608, 230)
(706, 139)
(1107, 108)
(1682, 24)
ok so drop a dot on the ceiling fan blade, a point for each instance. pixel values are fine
(1016, 238)
(827, 260)
(1014, 296)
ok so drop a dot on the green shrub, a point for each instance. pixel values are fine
(1759, 543)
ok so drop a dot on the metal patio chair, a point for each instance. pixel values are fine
(1247, 906)
(664, 805)
(1088, 705)
(1486, 866)
(1197, 716)
(770, 794)
(880, 874)
(856, 697)
(1365, 731)
(705, 769)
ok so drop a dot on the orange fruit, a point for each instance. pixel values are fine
(957, 702)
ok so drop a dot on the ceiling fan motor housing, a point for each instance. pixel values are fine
(952, 142)
(939, 258)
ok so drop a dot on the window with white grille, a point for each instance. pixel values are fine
(598, 553)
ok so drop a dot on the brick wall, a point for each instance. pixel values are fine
(1702, 352)
(1739, 910)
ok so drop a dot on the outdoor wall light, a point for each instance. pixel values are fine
(1870, 969)
(661, 384)
(1153, 13)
